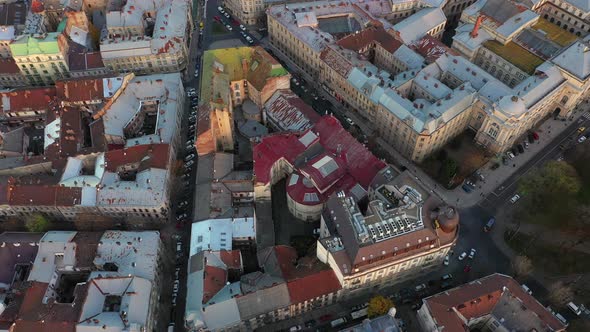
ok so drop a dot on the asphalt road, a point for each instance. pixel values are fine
(502, 194)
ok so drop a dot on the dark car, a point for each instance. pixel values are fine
(514, 151)
(467, 188)
(489, 225)
(310, 323)
(446, 285)
(495, 166)
(531, 138)
(520, 148)
(504, 160)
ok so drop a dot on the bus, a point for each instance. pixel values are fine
(359, 314)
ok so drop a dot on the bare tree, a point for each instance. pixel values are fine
(522, 266)
(560, 293)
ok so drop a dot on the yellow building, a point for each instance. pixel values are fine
(41, 58)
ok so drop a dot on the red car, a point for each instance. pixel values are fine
(217, 18)
(467, 268)
(325, 318)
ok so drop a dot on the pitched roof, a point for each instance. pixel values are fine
(35, 316)
(479, 298)
(148, 155)
(85, 89)
(290, 112)
(27, 99)
(361, 40)
(214, 280)
(312, 286)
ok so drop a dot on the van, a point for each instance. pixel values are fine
(338, 322)
(489, 225)
(171, 327)
(574, 308)
(561, 318)
(527, 289)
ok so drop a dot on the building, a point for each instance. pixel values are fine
(285, 111)
(147, 37)
(236, 76)
(84, 154)
(493, 303)
(41, 58)
(222, 296)
(404, 232)
(10, 74)
(317, 163)
(85, 281)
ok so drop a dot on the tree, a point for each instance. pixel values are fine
(522, 266)
(378, 306)
(560, 293)
(37, 223)
(550, 194)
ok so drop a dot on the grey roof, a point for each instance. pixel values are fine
(500, 10)
(17, 248)
(263, 301)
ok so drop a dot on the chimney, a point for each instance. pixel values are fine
(476, 26)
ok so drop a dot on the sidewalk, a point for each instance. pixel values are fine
(548, 131)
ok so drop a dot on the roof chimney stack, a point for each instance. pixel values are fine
(476, 26)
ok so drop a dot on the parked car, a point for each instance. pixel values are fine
(349, 120)
(582, 139)
(581, 129)
(467, 188)
(227, 16)
(514, 151)
(472, 253)
(495, 166)
(220, 9)
(504, 160)
(189, 164)
(420, 287)
(462, 256)
(189, 157)
(535, 136)
(446, 261)
(242, 27)
(510, 154)
(520, 148)
(250, 41)
(446, 277)
(514, 198)
(217, 18)
(178, 246)
(295, 328)
(576, 310)
(446, 284)
(526, 144)
(467, 268)
(183, 203)
(181, 217)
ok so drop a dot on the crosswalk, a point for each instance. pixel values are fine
(586, 115)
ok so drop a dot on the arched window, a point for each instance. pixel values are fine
(494, 130)
(564, 100)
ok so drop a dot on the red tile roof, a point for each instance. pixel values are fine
(37, 195)
(34, 316)
(362, 40)
(8, 66)
(67, 196)
(214, 280)
(478, 298)
(232, 259)
(336, 61)
(313, 286)
(80, 89)
(355, 162)
(157, 157)
(29, 99)
(85, 61)
(431, 48)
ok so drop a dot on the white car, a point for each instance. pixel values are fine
(514, 198)
(472, 253)
(510, 155)
(242, 27)
(582, 139)
(462, 256)
(350, 122)
(189, 157)
(446, 261)
(189, 164)
(196, 73)
(226, 15)
(228, 27)
(220, 9)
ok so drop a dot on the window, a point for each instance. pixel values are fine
(494, 130)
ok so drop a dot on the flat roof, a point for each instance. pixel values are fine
(554, 33)
(516, 55)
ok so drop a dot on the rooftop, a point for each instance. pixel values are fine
(218, 234)
(516, 55)
(288, 112)
(327, 155)
(498, 296)
(554, 33)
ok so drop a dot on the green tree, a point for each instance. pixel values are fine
(37, 223)
(450, 168)
(551, 194)
(378, 306)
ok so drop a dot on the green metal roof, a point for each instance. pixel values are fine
(29, 45)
